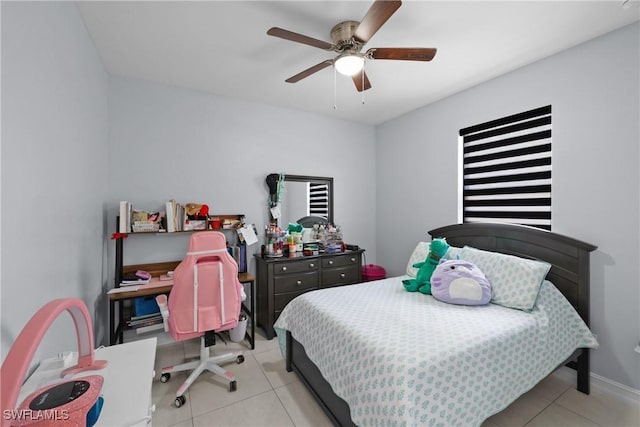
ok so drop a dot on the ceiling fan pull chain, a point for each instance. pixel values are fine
(362, 76)
(335, 96)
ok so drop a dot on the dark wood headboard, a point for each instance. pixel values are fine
(569, 257)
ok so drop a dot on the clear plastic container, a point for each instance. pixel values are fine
(274, 246)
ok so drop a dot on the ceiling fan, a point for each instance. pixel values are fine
(349, 37)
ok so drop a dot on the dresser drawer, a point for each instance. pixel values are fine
(296, 282)
(341, 261)
(339, 276)
(296, 266)
(280, 280)
(281, 300)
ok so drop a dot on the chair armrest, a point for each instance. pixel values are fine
(164, 310)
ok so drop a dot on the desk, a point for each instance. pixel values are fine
(116, 330)
(126, 389)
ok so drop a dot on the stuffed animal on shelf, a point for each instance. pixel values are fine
(422, 283)
(196, 211)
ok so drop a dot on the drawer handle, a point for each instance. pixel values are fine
(342, 275)
(353, 260)
(284, 268)
(299, 282)
(330, 262)
(312, 265)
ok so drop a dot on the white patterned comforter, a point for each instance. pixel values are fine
(405, 359)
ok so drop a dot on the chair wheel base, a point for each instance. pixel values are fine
(165, 377)
(239, 359)
(233, 386)
(180, 400)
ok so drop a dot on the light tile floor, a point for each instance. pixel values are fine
(268, 395)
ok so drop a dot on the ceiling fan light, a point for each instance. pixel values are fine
(349, 64)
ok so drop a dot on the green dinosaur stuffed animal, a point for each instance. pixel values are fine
(422, 283)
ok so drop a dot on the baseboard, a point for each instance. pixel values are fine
(603, 385)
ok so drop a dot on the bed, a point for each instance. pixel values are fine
(374, 354)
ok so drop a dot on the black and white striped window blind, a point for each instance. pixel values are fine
(318, 200)
(506, 170)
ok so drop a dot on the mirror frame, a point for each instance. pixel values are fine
(321, 179)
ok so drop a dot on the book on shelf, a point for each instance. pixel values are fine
(133, 282)
(148, 322)
(139, 277)
(152, 319)
(144, 316)
(242, 262)
(233, 252)
(125, 217)
(180, 217)
(239, 254)
(170, 216)
(175, 216)
(122, 289)
(150, 328)
(147, 316)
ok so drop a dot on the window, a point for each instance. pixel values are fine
(506, 170)
(318, 199)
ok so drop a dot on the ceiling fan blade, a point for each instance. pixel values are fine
(358, 80)
(376, 16)
(403, 53)
(309, 71)
(299, 38)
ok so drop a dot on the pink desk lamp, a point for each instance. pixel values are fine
(14, 368)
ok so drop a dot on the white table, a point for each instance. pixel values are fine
(127, 382)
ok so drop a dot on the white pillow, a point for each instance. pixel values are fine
(452, 253)
(419, 254)
(515, 281)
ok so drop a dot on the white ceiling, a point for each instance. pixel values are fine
(221, 47)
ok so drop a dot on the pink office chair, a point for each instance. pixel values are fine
(205, 299)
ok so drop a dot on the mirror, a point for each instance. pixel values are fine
(304, 196)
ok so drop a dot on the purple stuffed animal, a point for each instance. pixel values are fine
(460, 282)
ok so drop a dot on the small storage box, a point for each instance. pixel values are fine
(373, 272)
(146, 305)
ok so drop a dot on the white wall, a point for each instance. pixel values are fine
(54, 168)
(167, 142)
(594, 91)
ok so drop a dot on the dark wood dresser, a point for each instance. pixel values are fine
(279, 280)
